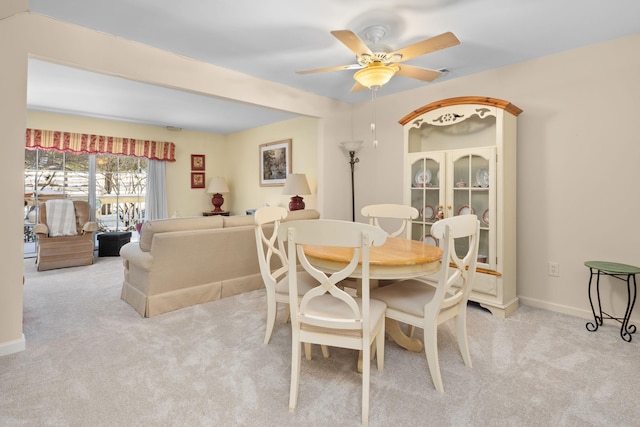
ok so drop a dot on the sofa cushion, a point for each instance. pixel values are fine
(237, 220)
(240, 220)
(302, 214)
(176, 224)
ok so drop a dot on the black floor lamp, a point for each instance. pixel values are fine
(352, 147)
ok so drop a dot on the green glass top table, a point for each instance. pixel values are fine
(624, 272)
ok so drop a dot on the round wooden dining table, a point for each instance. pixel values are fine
(394, 260)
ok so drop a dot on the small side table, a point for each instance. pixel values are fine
(622, 272)
(223, 213)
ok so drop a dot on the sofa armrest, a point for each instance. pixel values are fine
(41, 229)
(133, 255)
(90, 227)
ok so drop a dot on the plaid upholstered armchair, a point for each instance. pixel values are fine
(65, 234)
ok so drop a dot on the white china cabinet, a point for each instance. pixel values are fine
(461, 158)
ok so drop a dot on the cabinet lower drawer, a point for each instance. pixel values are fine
(486, 283)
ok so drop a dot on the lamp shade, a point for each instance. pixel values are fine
(351, 145)
(296, 184)
(375, 74)
(217, 185)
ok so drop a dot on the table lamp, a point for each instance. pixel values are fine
(297, 184)
(217, 186)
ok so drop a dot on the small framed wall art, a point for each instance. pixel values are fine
(197, 179)
(197, 162)
(275, 163)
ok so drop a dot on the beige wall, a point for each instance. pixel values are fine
(182, 200)
(577, 148)
(243, 163)
(13, 104)
(578, 155)
(9, 8)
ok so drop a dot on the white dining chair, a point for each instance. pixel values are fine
(326, 314)
(392, 211)
(427, 304)
(274, 266)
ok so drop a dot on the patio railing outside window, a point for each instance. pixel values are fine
(114, 185)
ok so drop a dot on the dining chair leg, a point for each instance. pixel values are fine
(307, 350)
(380, 348)
(411, 330)
(271, 318)
(366, 372)
(372, 354)
(463, 342)
(325, 351)
(295, 374)
(431, 350)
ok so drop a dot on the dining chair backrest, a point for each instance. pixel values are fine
(326, 314)
(392, 211)
(458, 270)
(263, 216)
(272, 257)
(331, 233)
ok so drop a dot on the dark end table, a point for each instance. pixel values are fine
(109, 243)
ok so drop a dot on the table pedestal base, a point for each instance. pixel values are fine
(392, 328)
(397, 335)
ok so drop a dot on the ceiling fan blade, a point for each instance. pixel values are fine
(423, 74)
(357, 87)
(353, 42)
(339, 67)
(433, 44)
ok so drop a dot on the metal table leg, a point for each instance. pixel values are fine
(623, 272)
(597, 319)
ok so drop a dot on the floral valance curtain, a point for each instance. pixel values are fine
(94, 144)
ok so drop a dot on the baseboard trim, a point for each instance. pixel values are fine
(14, 346)
(558, 308)
(564, 309)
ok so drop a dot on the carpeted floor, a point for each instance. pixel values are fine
(91, 360)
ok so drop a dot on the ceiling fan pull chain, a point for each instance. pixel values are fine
(373, 120)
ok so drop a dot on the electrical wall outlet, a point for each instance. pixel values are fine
(554, 269)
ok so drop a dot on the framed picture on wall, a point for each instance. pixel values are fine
(197, 162)
(197, 179)
(275, 163)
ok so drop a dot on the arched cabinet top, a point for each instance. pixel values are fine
(461, 100)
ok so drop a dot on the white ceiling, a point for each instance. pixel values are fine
(273, 39)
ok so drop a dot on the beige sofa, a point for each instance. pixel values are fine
(186, 261)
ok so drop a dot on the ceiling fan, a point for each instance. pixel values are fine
(377, 64)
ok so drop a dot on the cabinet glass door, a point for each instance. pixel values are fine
(427, 193)
(472, 180)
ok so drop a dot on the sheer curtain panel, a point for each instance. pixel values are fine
(156, 198)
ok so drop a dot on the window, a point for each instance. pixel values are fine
(114, 184)
(121, 183)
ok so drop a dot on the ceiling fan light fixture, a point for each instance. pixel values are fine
(375, 74)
